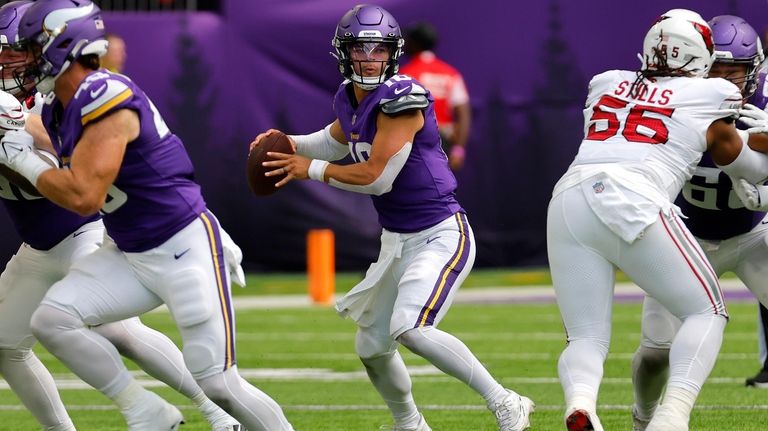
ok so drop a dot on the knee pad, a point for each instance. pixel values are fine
(201, 357)
(658, 330)
(189, 298)
(47, 322)
(216, 387)
(371, 344)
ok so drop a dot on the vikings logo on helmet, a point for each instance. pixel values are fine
(57, 33)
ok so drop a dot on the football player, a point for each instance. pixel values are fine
(644, 134)
(53, 239)
(387, 123)
(732, 237)
(161, 245)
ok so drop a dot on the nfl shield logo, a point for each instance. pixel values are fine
(598, 187)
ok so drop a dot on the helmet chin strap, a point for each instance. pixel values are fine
(47, 84)
(368, 83)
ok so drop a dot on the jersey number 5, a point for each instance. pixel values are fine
(655, 132)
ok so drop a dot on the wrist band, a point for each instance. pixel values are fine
(316, 169)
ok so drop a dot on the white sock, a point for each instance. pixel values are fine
(580, 368)
(129, 396)
(151, 350)
(650, 371)
(34, 386)
(679, 401)
(454, 358)
(390, 378)
(694, 351)
(254, 409)
(209, 409)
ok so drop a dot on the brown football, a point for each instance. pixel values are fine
(260, 184)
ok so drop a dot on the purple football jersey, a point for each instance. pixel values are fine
(424, 192)
(713, 209)
(154, 195)
(38, 221)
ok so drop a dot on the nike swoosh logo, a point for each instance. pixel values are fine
(432, 239)
(76, 234)
(764, 222)
(400, 90)
(177, 256)
(98, 92)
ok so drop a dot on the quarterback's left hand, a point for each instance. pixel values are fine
(292, 165)
(17, 153)
(754, 196)
(233, 256)
(755, 118)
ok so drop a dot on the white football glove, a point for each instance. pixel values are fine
(12, 116)
(233, 256)
(17, 152)
(754, 196)
(754, 118)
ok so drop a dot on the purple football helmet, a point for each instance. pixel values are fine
(737, 42)
(367, 24)
(13, 58)
(57, 33)
(760, 98)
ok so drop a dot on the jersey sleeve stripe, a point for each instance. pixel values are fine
(106, 106)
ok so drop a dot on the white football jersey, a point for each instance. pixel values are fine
(645, 142)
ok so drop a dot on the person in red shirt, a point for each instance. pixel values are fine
(446, 84)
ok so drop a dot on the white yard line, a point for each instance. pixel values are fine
(484, 295)
(381, 407)
(421, 373)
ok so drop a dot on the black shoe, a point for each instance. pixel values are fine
(759, 381)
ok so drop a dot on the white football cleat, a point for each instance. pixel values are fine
(224, 422)
(513, 413)
(582, 420)
(421, 426)
(153, 414)
(638, 423)
(664, 420)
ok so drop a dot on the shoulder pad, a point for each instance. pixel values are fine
(724, 92)
(97, 96)
(401, 98)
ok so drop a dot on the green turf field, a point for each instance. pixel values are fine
(304, 358)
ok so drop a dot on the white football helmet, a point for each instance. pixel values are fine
(680, 42)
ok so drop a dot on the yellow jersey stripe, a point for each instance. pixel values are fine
(447, 271)
(220, 284)
(106, 106)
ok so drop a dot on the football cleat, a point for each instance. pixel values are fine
(582, 420)
(663, 420)
(513, 413)
(638, 423)
(421, 426)
(221, 421)
(153, 414)
(760, 380)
